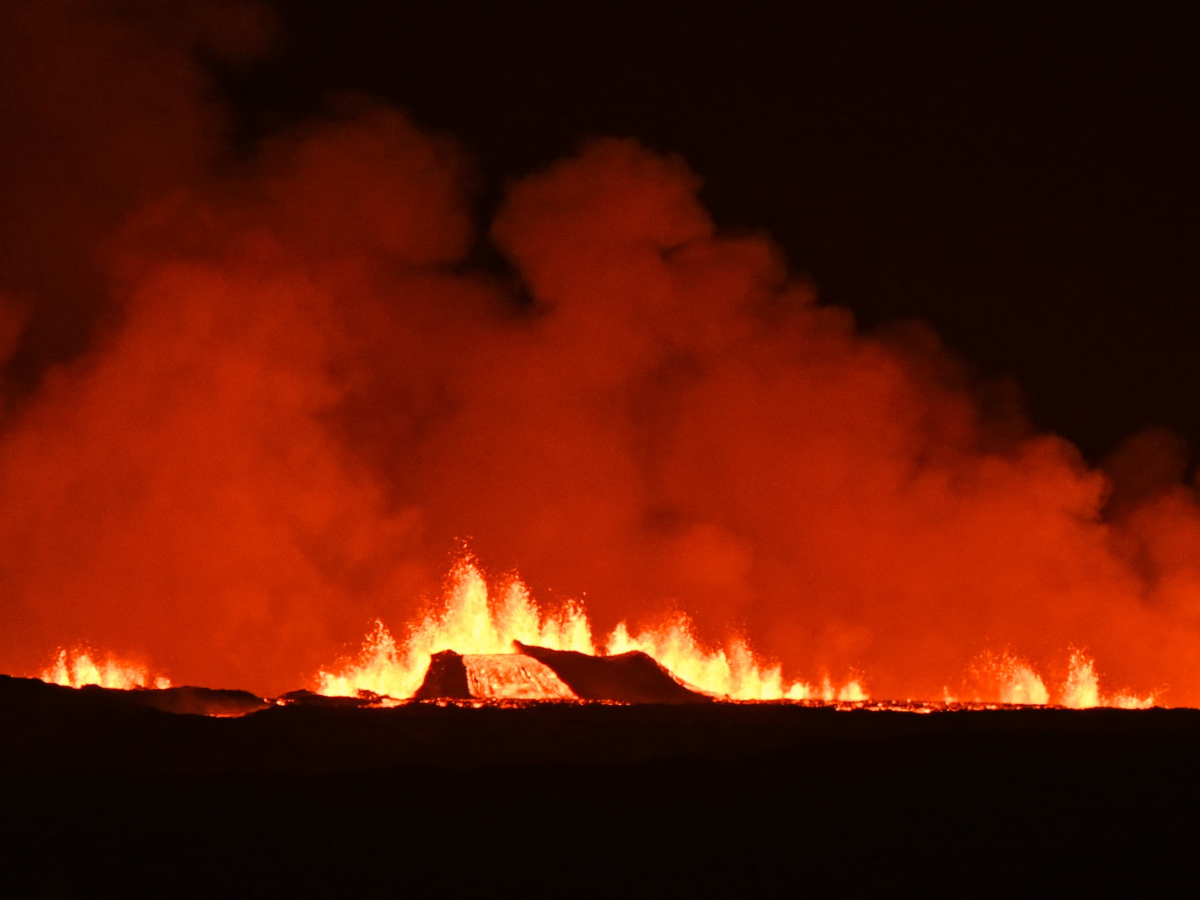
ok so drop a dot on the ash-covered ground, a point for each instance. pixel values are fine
(109, 793)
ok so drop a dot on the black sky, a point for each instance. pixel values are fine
(1021, 178)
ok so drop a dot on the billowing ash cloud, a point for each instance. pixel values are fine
(251, 406)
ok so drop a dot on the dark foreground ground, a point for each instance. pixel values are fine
(103, 796)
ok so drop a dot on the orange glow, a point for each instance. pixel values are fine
(475, 623)
(483, 625)
(735, 673)
(1005, 677)
(311, 390)
(1010, 679)
(1082, 688)
(78, 668)
(472, 623)
(512, 676)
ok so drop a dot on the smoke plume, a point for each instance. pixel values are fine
(251, 405)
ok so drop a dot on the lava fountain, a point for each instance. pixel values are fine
(478, 621)
(80, 667)
(494, 627)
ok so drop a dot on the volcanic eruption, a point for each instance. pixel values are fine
(294, 384)
(471, 445)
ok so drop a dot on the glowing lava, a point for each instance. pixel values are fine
(484, 628)
(1012, 680)
(78, 668)
(475, 623)
(1082, 688)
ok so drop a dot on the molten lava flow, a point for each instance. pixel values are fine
(1009, 679)
(78, 668)
(1082, 688)
(736, 673)
(473, 624)
(483, 630)
(469, 625)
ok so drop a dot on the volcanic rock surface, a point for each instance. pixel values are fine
(538, 673)
(184, 700)
(632, 677)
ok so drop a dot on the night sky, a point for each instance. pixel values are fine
(1022, 179)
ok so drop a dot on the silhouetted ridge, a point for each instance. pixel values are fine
(305, 697)
(537, 673)
(199, 701)
(446, 677)
(632, 677)
(184, 700)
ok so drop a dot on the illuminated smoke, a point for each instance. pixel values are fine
(292, 400)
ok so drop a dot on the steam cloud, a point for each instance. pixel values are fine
(250, 406)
